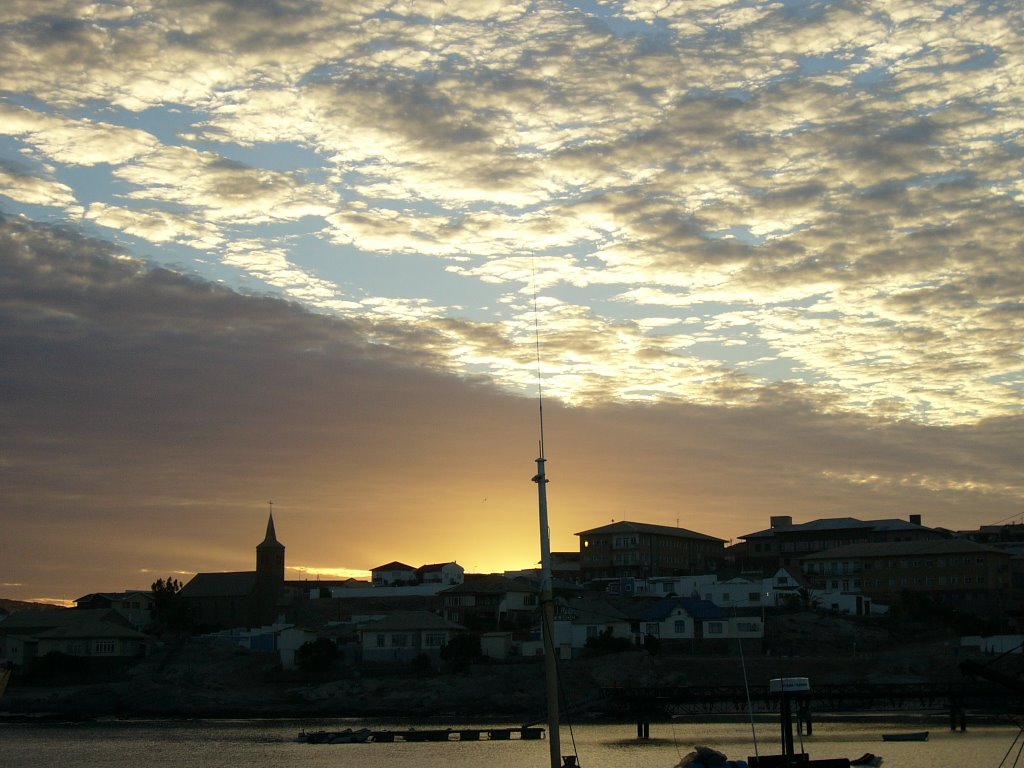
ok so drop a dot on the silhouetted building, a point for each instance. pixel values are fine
(785, 542)
(240, 598)
(641, 550)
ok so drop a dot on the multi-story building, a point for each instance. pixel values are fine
(640, 550)
(784, 543)
(952, 570)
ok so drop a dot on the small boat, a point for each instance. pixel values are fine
(868, 759)
(911, 736)
(348, 736)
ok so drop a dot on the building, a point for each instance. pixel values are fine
(491, 602)
(393, 574)
(101, 634)
(962, 573)
(405, 635)
(134, 605)
(442, 574)
(240, 598)
(784, 542)
(693, 623)
(640, 550)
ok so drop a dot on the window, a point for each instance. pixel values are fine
(679, 627)
(104, 646)
(592, 631)
(433, 639)
(746, 626)
(399, 640)
(754, 597)
(714, 627)
(380, 641)
(653, 629)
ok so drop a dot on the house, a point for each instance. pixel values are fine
(592, 617)
(641, 550)
(393, 574)
(103, 633)
(405, 635)
(700, 622)
(784, 542)
(240, 598)
(282, 639)
(134, 605)
(491, 602)
(443, 574)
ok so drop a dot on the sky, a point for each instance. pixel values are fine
(753, 259)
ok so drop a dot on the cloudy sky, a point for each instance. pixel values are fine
(760, 257)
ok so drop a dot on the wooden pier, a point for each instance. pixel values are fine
(370, 736)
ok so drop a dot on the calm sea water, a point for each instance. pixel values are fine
(265, 744)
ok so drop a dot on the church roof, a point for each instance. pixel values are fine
(230, 584)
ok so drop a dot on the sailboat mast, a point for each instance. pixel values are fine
(547, 607)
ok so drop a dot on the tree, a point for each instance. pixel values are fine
(170, 612)
(315, 658)
(461, 651)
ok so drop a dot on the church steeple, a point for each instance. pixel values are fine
(271, 537)
(270, 558)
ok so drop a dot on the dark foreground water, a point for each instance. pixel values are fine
(262, 744)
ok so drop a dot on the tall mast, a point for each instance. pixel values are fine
(547, 599)
(547, 609)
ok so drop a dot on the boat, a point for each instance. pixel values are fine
(911, 736)
(347, 736)
(868, 759)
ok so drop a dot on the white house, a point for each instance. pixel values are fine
(393, 574)
(690, 619)
(442, 574)
(289, 640)
(404, 635)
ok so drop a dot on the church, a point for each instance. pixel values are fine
(240, 598)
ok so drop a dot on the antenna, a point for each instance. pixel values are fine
(536, 344)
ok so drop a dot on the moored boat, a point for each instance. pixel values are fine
(911, 736)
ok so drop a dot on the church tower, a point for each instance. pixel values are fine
(269, 573)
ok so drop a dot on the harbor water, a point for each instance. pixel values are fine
(270, 744)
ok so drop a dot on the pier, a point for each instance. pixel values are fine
(370, 736)
(647, 704)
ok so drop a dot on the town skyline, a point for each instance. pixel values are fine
(759, 259)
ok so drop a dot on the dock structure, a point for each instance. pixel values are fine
(370, 736)
(648, 704)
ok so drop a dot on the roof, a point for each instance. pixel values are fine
(270, 540)
(837, 524)
(906, 548)
(31, 622)
(625, 526)
(145, 593)
(593, 609)
(489, 584)
(92, 628)
(394, 565)
(700, 610)
(229, 584)
(410, 620)
(436, 566)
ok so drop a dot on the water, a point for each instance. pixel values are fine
(266, 744)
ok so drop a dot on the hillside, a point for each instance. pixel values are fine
(201, 678)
